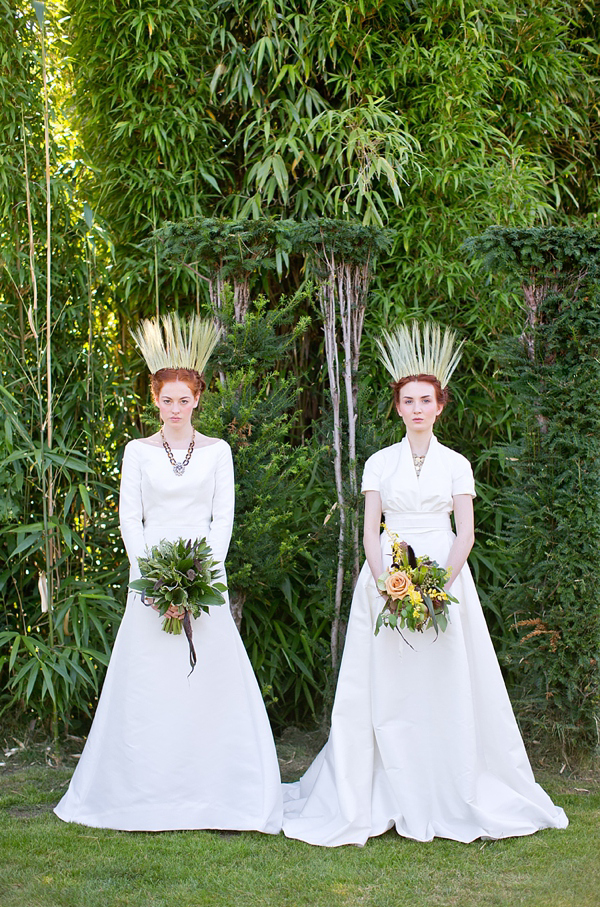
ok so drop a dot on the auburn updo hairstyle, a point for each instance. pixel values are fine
(189, 376)
(442, 394)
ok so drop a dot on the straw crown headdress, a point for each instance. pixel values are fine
(177, 343)
(405, 352)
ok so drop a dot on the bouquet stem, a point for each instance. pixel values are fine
(181, 575)
(172, 625)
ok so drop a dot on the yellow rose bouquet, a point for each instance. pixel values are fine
(415, 592)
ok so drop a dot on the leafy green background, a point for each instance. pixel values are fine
(435, 118)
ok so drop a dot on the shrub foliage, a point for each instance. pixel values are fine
(552, 497)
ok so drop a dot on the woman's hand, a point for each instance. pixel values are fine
(173, 611)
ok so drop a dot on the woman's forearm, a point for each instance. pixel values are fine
(372, 533)
(457, 556)
(465, 535)
(372, 546)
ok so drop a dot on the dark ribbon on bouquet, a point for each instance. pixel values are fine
(187, 629)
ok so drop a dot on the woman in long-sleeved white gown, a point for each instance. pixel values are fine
(167, 750)
(423, 736)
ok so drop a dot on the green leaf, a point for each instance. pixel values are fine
(40, 12)
(85, 498)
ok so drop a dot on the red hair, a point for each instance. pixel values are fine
(442, 395)
(189, 376)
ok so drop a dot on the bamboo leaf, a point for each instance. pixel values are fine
(48, 683)
(85, 498)
(40, 12)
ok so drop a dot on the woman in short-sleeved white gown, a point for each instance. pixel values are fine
(167, 750)
(423, 739)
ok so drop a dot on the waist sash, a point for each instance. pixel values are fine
(417, 522)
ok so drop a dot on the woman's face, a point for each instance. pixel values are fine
(418, 406)
(176, 403)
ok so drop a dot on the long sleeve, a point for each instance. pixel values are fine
(131, 508)
(223, 505)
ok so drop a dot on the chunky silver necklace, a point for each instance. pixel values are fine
(178, 468)
(418, 461)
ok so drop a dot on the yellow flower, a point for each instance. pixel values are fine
(415, 596)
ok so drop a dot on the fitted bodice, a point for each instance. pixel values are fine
(444, 474)
(156, 504)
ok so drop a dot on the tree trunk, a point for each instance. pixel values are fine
(237, 600)
(328, 310)
(352, 288)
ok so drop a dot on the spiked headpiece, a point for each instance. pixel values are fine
(178, 344)
(404, 352)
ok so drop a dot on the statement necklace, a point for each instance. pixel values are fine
(418, 461)
(178, 468)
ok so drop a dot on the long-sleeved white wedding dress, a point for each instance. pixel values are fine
(167, 750)
(422, 738)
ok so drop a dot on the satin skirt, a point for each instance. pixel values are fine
(422, 739)
(174, 750)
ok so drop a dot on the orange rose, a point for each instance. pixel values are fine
(397, 585)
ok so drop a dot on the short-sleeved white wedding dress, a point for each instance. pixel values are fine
(422, 738)
(167, 750)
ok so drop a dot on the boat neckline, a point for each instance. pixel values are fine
(160, 447)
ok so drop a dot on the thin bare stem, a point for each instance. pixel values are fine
(48, 478)
(29, 224)
(328, 310)
(156, 289)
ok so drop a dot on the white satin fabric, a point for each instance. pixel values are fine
(167, 750)
(422, 738)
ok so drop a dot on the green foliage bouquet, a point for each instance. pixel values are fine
(181, 574)
(416, 598)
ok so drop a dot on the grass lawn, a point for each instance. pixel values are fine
(46, 863)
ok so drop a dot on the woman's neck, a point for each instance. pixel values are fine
(179, 435)
(419, 442)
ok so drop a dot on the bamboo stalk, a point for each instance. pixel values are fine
(88, 393)
(18, 291)
(47, 479)
(156, 289)
(29, 226)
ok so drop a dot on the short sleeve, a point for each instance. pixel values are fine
(372, 473)
(462, 477)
